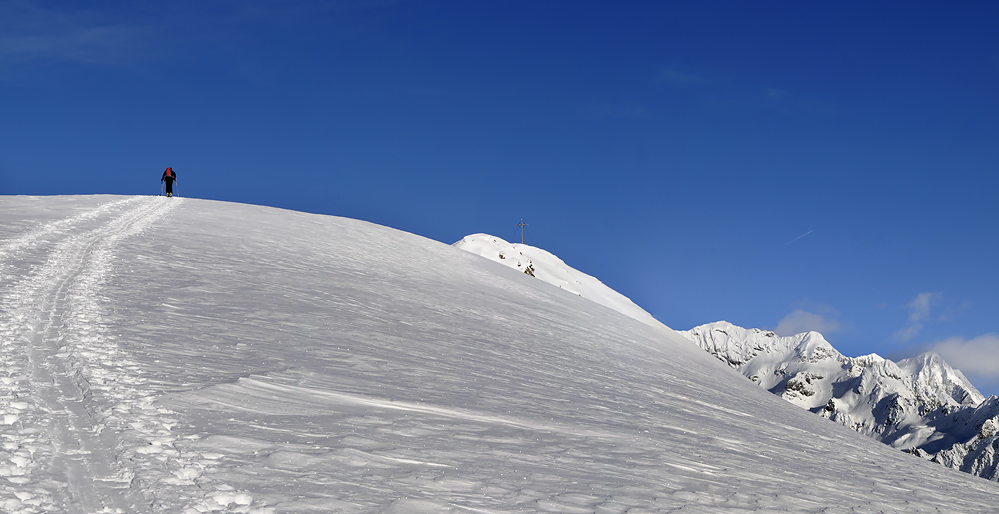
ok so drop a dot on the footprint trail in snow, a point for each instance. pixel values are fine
(79, 433)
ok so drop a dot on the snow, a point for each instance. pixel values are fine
(180, 355)
(921, 405)
(549, 268)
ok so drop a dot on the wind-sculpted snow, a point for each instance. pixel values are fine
(921, 405)
(549, 268)
(193, 356)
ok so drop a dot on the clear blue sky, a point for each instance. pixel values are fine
(774, 164)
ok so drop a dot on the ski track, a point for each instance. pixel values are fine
(79, 433)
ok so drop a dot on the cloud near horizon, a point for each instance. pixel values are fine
(977, 358)
(800, 320)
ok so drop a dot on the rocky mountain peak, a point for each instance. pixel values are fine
(921, 404)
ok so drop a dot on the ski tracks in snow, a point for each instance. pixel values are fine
(69, 396)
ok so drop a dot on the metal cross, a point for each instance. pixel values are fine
(521, 225)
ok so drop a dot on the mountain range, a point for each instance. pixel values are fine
(920, 405)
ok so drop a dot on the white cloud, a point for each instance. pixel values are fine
(977, 358)
(979, 355)
(104, 45)
(908, 333)
(800, 320)
(31, 32)
(919, 308)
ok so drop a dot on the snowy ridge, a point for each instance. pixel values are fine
(549, 268)
(973, 449)
(194, 356)
(921, 405)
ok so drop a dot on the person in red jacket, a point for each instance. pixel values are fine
(169, 176)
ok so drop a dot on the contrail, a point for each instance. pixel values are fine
(799, 237)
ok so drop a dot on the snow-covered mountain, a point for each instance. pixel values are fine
(187, 356)
(549, 268)
(920, 405)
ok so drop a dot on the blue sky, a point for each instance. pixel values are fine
(785, 165)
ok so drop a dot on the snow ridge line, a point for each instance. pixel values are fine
(52, 435)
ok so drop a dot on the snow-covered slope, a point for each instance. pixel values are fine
(183, 356)
(549, 268)
(920, 404)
